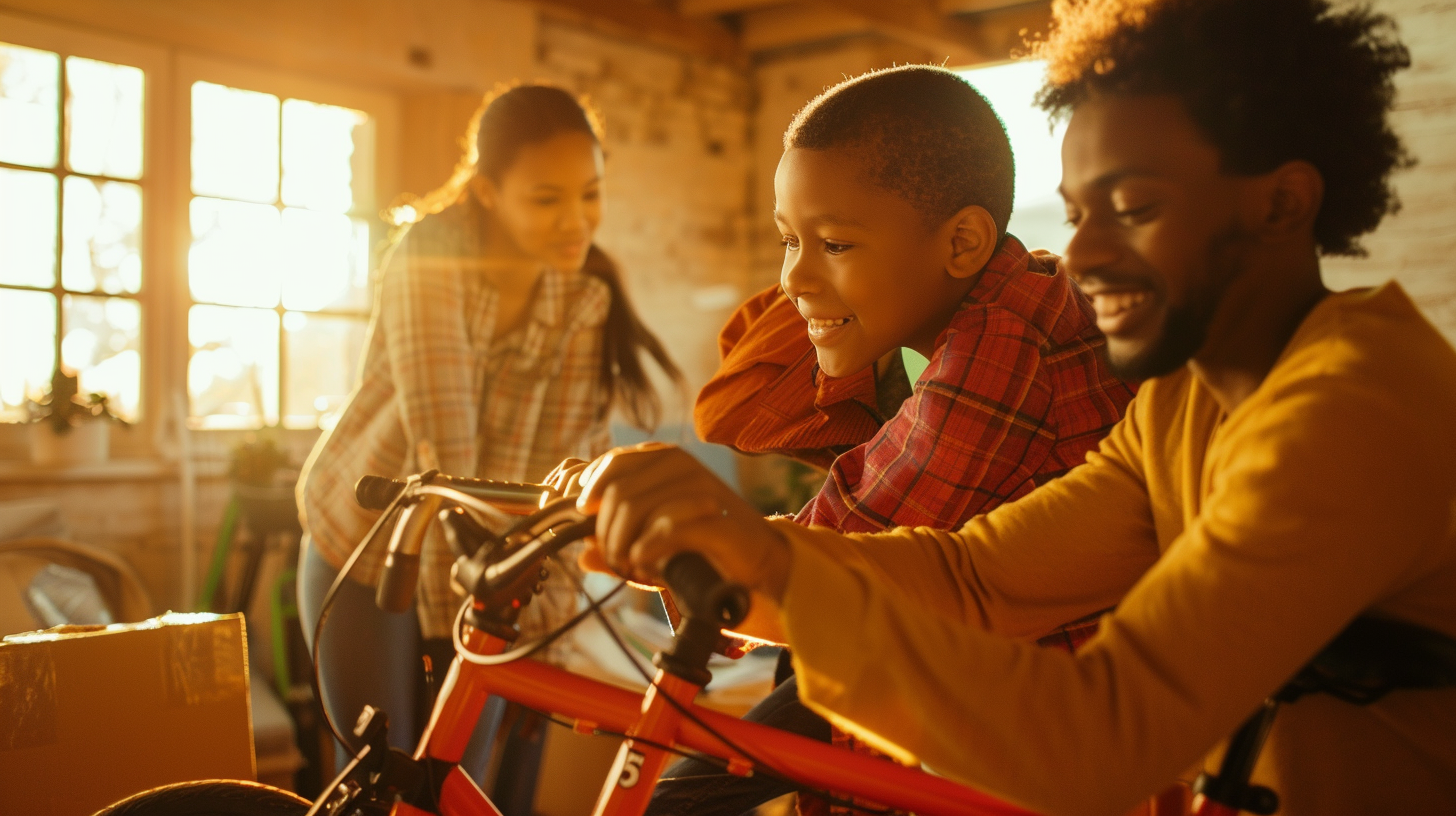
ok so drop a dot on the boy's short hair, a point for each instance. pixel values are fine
(1266, 81)
(923, 133)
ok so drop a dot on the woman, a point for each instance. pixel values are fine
(500, 342)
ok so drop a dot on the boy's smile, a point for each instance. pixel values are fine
(860, 262)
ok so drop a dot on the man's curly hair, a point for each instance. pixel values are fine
(1267, 81)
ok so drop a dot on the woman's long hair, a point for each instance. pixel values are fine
(509, 119)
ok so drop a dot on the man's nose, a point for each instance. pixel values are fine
(1093, 247)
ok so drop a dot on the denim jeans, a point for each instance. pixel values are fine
(695, 788)
(369, 656)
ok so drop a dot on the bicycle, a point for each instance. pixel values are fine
(499, 573)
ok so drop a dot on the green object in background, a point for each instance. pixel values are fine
(283, 605)
(225, 532)
(915, 364)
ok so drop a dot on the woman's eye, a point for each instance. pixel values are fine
(836, 248)
(789, 243)
(546, 202)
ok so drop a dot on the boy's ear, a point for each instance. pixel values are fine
(972, 241)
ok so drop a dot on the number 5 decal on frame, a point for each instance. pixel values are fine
(631, 772)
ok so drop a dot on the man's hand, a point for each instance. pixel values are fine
(654, 500)
(565, 478)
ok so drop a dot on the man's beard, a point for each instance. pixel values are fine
(1185, 328)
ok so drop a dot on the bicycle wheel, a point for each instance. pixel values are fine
(210, 797)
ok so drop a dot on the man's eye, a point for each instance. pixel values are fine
(836, 248)
(1137, 215)
(789, 243)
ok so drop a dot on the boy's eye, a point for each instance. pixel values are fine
(836, 248)
(789, 242)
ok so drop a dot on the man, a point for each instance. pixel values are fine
(1286, 468)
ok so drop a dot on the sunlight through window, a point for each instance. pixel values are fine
(1038, 217)
(278, 268)
(70, 232)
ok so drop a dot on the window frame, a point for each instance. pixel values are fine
(165, 296)
(381, 107)
(142, 439)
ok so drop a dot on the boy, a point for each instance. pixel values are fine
(1285, 469)
(893, 197)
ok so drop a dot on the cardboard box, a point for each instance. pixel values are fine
(90, 715)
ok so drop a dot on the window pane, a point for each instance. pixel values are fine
(1039, 217)
(30, 106)
(102, 343)
(234, 257)
(102, 229)
(27, 228)
(28, 337)
(234, 143)
(104, 118)
(323, 358)
(233, 374)
(326, 261)
(318, 149)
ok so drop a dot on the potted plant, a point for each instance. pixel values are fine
(67, 428)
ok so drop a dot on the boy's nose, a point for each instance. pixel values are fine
(797, 277)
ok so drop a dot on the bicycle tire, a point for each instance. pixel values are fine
(210, 797)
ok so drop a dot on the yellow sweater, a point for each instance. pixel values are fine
(1234, 547)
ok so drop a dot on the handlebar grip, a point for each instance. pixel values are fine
(703, 592)
(396, 590)
(376, 492)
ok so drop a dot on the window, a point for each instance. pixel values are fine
(279, 257)
(1038, 218)
(71, 214)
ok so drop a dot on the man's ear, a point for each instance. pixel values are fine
(973, 236)
(1289, 199)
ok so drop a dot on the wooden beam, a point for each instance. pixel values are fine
(978, 6)
(707, 8)
(921, 23)
(799, 25)
(654, 24)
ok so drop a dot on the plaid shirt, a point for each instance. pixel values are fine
(508, 407)
(1016, 393)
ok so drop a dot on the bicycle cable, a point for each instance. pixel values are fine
(328, 602)
(759, 765)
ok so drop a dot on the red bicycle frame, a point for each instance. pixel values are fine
(651, 721)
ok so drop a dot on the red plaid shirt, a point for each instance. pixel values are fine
(1016, 393)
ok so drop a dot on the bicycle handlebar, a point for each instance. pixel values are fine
(693, 580)
(376, 492)
(703, 591)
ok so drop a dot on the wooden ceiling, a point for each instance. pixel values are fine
(961, 32)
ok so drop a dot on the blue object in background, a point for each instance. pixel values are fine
(717, 458)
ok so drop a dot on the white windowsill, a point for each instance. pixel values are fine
(115, 470)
